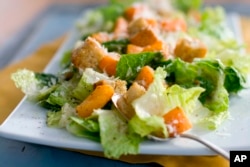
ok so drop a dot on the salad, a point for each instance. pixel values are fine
(171, 65)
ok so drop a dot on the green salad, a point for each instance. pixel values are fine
(172, 64)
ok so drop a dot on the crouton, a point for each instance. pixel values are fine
(144, 37)
(101, 37)
(139, 24)
(88, 55)
(135, 91)
(124, 102)
(173, 25)
(120, 86)
(136, 11)
(158, 46)
(188, 50)
(125, 109)
(121, 28)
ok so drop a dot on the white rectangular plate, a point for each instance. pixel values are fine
(28, 123)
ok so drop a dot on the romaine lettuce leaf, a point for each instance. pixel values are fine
(37, 86)
(213, 120)
(102, 18)
(78, 130)
(60, 119)
(234, 81)
(67, 118)
(186, 6)
(66, 59)
(130, 64)
(62, 94)
(185, 98)
(237, 60)
(87, 128)
(212, 73)
(153, 102)
(205, 73)
(157, 101)
(215, 16)
(53, 118)
(116, 139)
(177, 71)
(211, 76)
(90, 125)
(148, 125)
(118, 46)
(85, 85)
(83, 88)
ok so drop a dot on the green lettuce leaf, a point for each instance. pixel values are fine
(78, 128)
(148, 125)
(155, 95)
(157, 101)
(62, 94)
(130, 64)
(119, 46)
(53, 118)
(234, 81)
(101, 18)
(60, 119)
(211, 76)
(37, 86)
(185, 98)
(238, 62)
(85, 85)
(87, 128)
(205, 73)
(213, 120)
(66, 59)
(116, 139)
(89, 124)
(215, 16)
(212, 73)
(186, 6)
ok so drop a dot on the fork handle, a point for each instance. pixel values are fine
(210, 145)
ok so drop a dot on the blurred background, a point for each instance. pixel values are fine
(15, 14)
(21, 19)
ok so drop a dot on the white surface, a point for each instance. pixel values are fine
(27, 123)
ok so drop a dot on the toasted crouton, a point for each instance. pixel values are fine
(135, 91)
(125, 109)
(121, 28)
(124, 102)
(120, 86)
(188, 50)
(88, 54)
(101, 37)
(139, 24)
(144, 37)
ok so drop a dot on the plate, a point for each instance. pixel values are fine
(28, 123)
